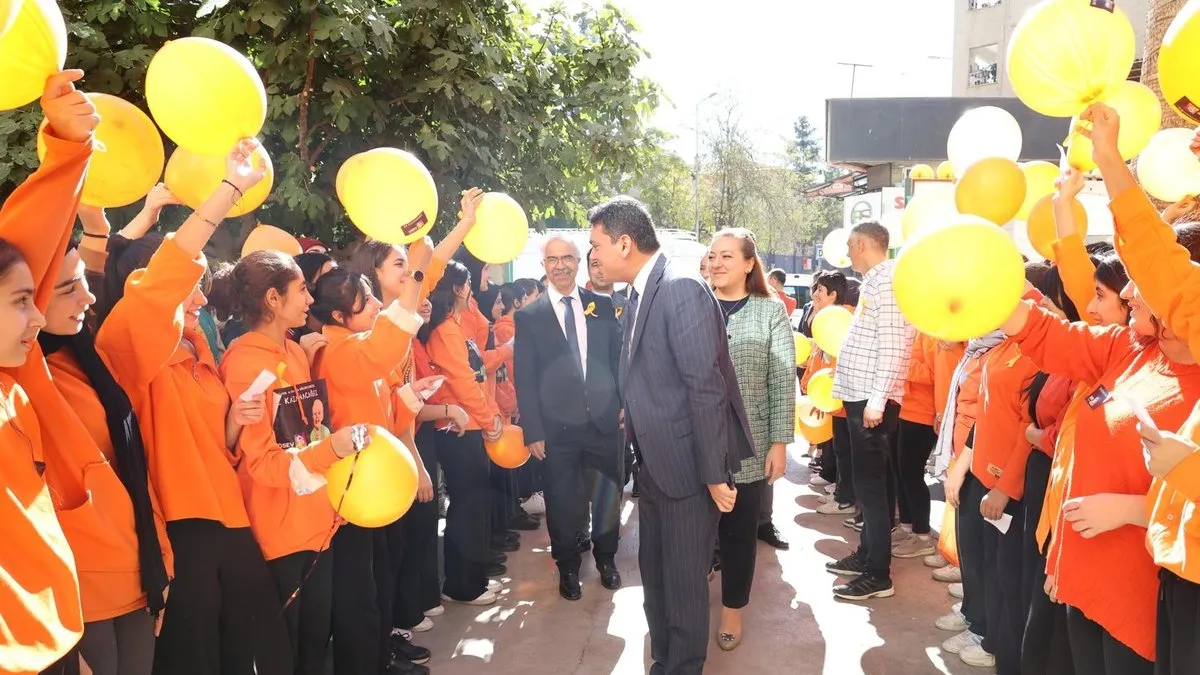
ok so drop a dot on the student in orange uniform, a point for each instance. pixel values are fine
(222, 615)
(833, 288)
(40, 613)
(1168, 280)
(292, 523)
(365, 344)
(1101, 534)
(454, 353)
(509, 299)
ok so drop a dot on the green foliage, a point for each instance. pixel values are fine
(544, 107)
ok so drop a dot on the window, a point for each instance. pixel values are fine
(1135, 73)
(984, 66)
(981, 4)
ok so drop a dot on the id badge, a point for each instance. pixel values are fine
(1098, 397)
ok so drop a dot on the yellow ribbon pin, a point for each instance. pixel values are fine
(590, 310)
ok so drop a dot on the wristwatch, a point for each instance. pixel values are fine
(418, 276)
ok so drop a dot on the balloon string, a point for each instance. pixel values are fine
(328, 538)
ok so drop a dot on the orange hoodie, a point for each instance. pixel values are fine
(817, 361)
(283, 522)
(1105, 456)
(1170, 282)
(178, 396)
(506, 392)
(918, 406)
(447, 352)
(1001, 450)
(94, 508)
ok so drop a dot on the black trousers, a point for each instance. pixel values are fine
(870, 449)
(844, 493)
(417, 569)
(827, 464)
(468, 520)
(914, 443)
(738, 536)
(971, 554)
(895, 496)
(223, 614)
(67, 665)
(123, 645)
(588, 470)
(305, 584)
(1096, 652)
(1045, 647)
(358, 615)
(502, 500)
(1178, 637)
(1002, 577)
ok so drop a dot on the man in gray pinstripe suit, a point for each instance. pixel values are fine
(684, 414)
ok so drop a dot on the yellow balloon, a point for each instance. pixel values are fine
(128, 156)
(193, 178)
(945, 170)
(384, 482)
(820, 391)
(1040, 227)
(1167, 169)
(1179, 63)
(205, 95)
(500, 231)
(388, 194)
(803, 348)
(928, 210)
(922, 172)
(8, 14)
(509, 451)
(32, 49)
(1039, 182)
(992, 188)
(959, 282)
(813, 426)
(270, 238)
(1064, 53)
(829, 328)
(1141, 117)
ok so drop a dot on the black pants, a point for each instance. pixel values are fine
(67, 665)
(358, 618)
(1045, 648)
(828, 463)
(123, 645)
(914, 443)
(588, 469)
(1002, 577)
(895, 496)
(1178, 638)
(1096, 652)
(738, 536)
(1033, 562)
(502, 500)
(766, 508)
(844, 493)
(305, 584)
(870, 449)
(468, 529)
(417, 571)
(971, 552)
(223, 614)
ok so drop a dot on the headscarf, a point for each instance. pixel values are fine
(945, 443)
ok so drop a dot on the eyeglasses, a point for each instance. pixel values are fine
(554, 260)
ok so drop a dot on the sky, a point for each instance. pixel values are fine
(778, 59)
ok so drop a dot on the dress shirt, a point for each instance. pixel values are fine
(577, 308)
(639, 285)
(874, 360)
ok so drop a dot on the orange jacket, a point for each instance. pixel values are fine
(1105, 456)
(95, 510)
(506, 392)
(1001, 450)
(283, 522)
(1170, 282)
(179, 398)
(447, 352)
(788, 302)
(967, 404)
(1077, 272)
(919, 402)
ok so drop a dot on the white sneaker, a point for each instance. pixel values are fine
(935, 561)
(899, 535)
(954, 621)
(425, 626)
(436, 611)
(485, 598)
(494, 586)
(958, 643)
(535, 505)
(817, 481)
(974, 655)
(831, 488)
(914, 546)
(834, 508)
(825, 499)
(948, 574)
(956, 590)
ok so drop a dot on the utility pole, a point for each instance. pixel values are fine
(854, 73)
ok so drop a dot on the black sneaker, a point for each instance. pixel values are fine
(403, 650)
(504, 544)
(850, 566)
(865, 587)
(524, 521)
(496, 570)
(402, 667)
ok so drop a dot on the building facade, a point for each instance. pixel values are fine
(982, 30)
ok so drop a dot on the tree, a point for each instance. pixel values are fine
(486, 93)
(821, 214)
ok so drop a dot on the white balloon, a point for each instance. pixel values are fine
(1167, 169)
(836, 248)
(980, 133)
(929, 210)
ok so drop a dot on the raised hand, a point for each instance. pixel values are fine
(70, 113)
(242, 167)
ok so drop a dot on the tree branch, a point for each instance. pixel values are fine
(306, 92)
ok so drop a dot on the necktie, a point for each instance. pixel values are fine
(572, 332)
(631, 309)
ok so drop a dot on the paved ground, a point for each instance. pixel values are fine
(793, 624)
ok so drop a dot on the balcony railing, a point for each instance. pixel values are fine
(981, 4)
(978, 77)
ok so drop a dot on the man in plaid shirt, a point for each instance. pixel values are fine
(869, 379)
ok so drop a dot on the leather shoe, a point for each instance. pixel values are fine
(524, 521)
(403, 650)
(496, 570)
(568, 585)
(770, 536)
(610, 578)
(402, 667)
(505, 545)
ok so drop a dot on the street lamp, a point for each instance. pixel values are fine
(696, 172)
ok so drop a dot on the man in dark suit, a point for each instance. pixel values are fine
(566, 356)
(684, 413)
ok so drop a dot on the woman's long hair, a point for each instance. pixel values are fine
(756, 279)
(125, 256)
(444, 299)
